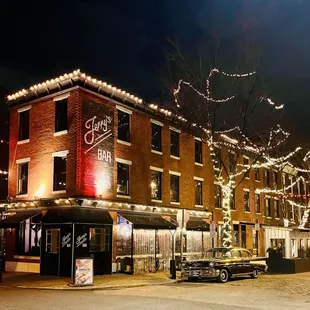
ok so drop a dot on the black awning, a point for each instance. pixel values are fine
(147, 221)
(14, 221)
(197, 224)
(76, 215)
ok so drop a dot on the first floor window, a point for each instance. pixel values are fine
(246, 201)
(174, 188)
(99, 239)
(122, 179)
(60, 173)
(267, 207)
(198, 193)
(156, 185)
(255, 239)
(22, 179)
(52, 240)
(218, 196)
(257, 203)
(236, 235)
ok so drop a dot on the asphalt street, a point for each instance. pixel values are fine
(174, 296)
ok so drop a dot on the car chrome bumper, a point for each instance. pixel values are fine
(200, 273)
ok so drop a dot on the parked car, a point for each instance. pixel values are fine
(223, 264)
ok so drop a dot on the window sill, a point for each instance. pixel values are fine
(248, 212)
(258, 213)
(199, 164)
(155, 200)
(22, 196)
(248, 178)
(198, 206)
(175, 203)
(269, 217)
(218, 208)
(60, 133)
(23, 141)
(123, 142)
(277, 218)
(233, 210)
(123, 196)
(59, 192)
(258, 181)
(157, 152)
(175, 157)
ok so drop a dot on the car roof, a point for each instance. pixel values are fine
(230, 248)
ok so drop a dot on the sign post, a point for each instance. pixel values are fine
(212, 232)
(84, 272)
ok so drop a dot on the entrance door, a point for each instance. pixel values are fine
(52, 251)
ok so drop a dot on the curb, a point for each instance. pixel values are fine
(90, 288)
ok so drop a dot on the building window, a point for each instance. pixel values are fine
(243, 236)
(156, 138)
(276, 209)
(198, 193)
(246, 201)
(217, 196)
(156, 185)
(236, 235)
(256, 174)
(246, 167)
(232, 201)
(99, 239)
(267, 178)
(232, 162)
(123, 132)
(255, 240)
(61, 115)
(267, 207)
(174, 188)
(291, 212)
(52, 240)
(198, 152)
(60, 173)
(122, 179)
(275, 179)
(257, 203)
(174, 143)
(23, 133)
(22, 179)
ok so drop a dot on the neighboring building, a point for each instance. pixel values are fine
(94, 171)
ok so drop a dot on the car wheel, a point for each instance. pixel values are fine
(223, 276)
(254, 275)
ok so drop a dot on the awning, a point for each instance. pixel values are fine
(14, 221)
(76, 215)
(197, 224)
(147, 221)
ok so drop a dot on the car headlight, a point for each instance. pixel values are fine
(211, 264)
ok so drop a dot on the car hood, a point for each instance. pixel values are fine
(199, 263)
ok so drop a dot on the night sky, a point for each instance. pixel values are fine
(123, 42)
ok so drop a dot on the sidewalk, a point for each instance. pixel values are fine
(103, 282)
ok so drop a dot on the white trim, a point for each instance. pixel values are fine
(22, 196)
(157, 152)
(198, 206)
(175, 157)
(63, 191)
(154, 121)
(28, 107)
(177, 203)
(198, 179)
(198, 139)
(175, 173)
(246, 189)
(174, 129)
(23, 141)
(269, 217)
(277, 218)
(60, 133)
(247, 157)
(156, 169)
(236, 222)
(123, 142)
(123, 196)
(123, 161)
(61, 97)
(118, 107)
(155, 200)
(199, 164)
(257, 191)
(60, 154)
(23, 160)
(220, 222)
(248, 212)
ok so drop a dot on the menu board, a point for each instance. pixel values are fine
(84, 271)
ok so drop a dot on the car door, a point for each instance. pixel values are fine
(247, 267)
(236, 265)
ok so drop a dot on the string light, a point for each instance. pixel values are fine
(3, 172)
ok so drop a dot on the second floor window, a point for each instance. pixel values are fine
(217, 196)
(174, 188)
(275, 179)
(156, 138)
(156, 185)
(246, 201)
(60, 173)
(256, 174)
(122, 179)
(174, 143)
(267, 207)
(198, 193)
(232, 201)
(123, 132)
(23, 133)
(267, 178)
(257, 203)
(61, 115)
(22, 187)
(276, 208)
(198, 151)
(232, 162)
(246, 167)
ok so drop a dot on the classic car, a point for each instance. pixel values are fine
(223, 264)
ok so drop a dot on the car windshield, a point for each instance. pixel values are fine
(218, 253)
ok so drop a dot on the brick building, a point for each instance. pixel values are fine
(94, 171)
